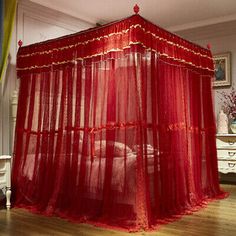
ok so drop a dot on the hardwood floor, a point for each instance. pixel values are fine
(218, 219)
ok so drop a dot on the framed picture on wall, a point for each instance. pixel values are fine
(222, 70)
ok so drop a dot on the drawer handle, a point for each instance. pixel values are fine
(231, 164)
(231, 143)
(231, 154)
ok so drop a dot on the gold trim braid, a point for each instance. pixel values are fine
(111, 34)
(113, 50)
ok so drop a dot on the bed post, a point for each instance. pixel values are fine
(14, 100)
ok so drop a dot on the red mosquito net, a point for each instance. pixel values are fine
(115, 126)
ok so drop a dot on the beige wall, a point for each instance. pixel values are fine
(34, 23)
(7, 86)
(222, 38)
(219, 45)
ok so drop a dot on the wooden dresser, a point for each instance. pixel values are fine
(5, 178)
(226, 152)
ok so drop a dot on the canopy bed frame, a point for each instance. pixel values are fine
(115, 127)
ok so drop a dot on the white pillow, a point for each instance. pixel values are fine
(148, 147)
(119, 148)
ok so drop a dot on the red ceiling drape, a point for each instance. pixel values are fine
(115, 126)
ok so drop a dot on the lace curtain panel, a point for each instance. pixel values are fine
(115, 127)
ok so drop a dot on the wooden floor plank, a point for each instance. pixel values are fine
(217, 219)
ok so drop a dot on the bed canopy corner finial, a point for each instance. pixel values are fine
(209, 46)
(20, 43)
(136, 9)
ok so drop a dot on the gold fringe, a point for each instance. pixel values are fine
(109, 35)
(113, 50)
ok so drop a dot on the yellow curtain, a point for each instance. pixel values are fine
(8, 13)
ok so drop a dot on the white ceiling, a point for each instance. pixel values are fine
(172, 14)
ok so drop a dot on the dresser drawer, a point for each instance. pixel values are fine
(226, 166)
(226, 142)
(226, 154)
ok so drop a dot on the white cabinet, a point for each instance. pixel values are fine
(226, 153)
(5, 178)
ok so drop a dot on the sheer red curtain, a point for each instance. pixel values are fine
(115, 127)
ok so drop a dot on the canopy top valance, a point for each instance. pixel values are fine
(134, 34)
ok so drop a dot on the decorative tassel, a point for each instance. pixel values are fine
(20, 43)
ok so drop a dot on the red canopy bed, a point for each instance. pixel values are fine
(115, 126)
